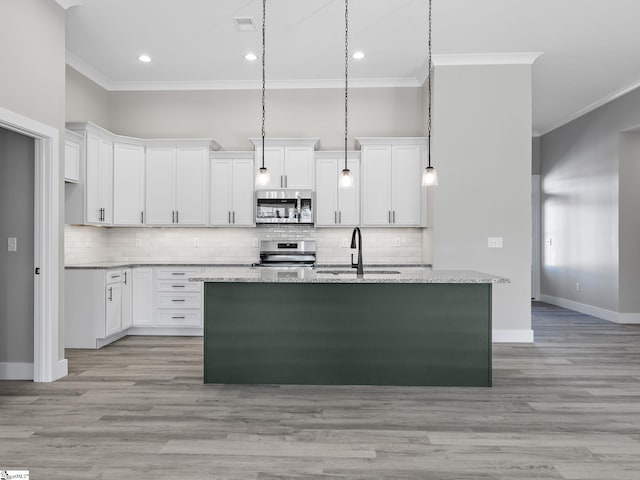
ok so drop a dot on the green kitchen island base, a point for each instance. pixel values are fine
(348, 333)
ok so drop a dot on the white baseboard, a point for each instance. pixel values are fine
(604, 314)
(16, 371)
(512, 336)
(170, 331)
(61, 369)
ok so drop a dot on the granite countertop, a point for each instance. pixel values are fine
(373, 274)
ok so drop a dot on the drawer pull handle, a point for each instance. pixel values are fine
(178, 286)
(178, 318)
(178, 300)
(177, 273)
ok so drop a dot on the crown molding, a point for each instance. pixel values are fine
(88, 71)
(67, 4)
(592, 106)
(486, 59)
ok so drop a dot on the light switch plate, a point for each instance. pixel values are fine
(494, 242)
(12, 244)
(138, 242)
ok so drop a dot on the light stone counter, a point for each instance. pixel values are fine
(372, 274)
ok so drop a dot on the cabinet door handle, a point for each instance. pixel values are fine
(335, 217)
(173, 216)
(394, 216)
(177, 216)
(125, 278)
(178, 300)
(281, 181)
(110, 294)
(234, 217)
(141, 217)
(340, 216)
(286, 181)
(229, 215)
(389, 216)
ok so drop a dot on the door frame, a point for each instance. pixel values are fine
(535, 236)
(48, 361)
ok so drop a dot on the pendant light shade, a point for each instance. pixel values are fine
(263, 178)
(429, 176)
(346, 179)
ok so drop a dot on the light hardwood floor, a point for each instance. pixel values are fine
(566, 407)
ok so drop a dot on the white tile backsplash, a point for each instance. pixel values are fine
(88, 244)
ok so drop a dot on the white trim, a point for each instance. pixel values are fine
(67, 4)
(227, 154)
(46, 364)
(593, 106)
(16, 371)
(289, 142)
(485, 59)
(168, 331)
(604, 314)
(536, 242)
(512, 336)
(88, 71)
(360, 141)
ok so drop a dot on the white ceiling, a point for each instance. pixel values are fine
(590, 49)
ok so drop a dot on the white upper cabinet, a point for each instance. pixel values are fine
(290, 161)
(72, 156)
(177, 185)
(99, 179)
(391, 181)
(336, 206)
(232, 180)
(128, 184)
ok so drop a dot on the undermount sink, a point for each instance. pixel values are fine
(371, 272)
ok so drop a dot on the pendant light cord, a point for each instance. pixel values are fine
(346, 78)
(264, 23)
(429, 66)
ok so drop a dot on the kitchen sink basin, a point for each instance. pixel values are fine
(371, 272)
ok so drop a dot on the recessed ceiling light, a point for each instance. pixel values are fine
(144, 58)
(358, 55)
(251, 57)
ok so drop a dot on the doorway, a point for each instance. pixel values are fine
(48, 352)
(17, 179)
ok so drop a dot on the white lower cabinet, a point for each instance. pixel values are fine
(127, 298)
(178, 301)
(93, 307)
(142, 304)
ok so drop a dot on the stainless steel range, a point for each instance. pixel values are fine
(287, 253)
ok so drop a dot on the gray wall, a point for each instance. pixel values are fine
(580, 166)
(16, 268)
(32, 49)
(482, 151)
(86, 101)
(629, 224)
(231, 117)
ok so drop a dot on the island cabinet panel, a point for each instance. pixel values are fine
(348, 334)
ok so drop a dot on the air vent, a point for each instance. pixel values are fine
(244, 24)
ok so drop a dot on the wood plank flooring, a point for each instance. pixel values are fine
(566, 407)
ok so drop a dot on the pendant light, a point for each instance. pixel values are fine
(429, 176)
(346, 179)
(263, 178)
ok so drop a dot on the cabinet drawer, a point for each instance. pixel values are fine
(179, 300)
(177, 273)
(113, 276)
(177, 286)
(179, 318)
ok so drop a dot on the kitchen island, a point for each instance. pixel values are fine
(394, 326)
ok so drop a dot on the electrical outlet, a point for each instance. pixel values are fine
(345, 243)
(396, 242)
(254, 242)
(494, 242)
(138, 242)
(195, 242)
(12, 244)
(548, 241)
(577, 286)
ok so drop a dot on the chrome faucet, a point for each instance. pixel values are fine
(358, 266)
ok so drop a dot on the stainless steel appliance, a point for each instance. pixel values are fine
(284, 206)
(287, 253)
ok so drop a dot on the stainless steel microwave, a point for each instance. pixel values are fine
(284, 206)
